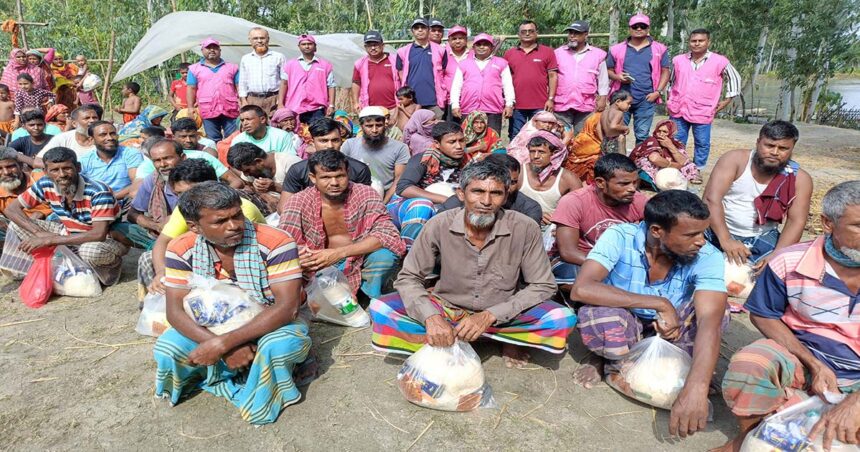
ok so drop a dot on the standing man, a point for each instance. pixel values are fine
(215, 81)
(535, 72)
(422, 66)
(640, 65)
(260, 73)
(483, 83)
(307, 83)
(437, 31)
(456, 51)
(374, 78)
(583, 82)
(697, 81)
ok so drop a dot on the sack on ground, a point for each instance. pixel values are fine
(72, 276)
(670, 179)
(153, 316)
(219, 306)
(36, 288)
(788, 430)
(442, 188)
(331, 299)
(445, 378)
(653, 372)
(739, 280)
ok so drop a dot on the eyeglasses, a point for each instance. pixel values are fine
(528, 32)
(639, 27)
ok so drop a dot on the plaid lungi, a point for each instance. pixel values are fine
(145, 274)
(545, 326)
(764, 377)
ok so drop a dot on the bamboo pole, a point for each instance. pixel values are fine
(107, 78)
(21, 22)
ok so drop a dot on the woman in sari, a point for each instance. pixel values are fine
(585, 149)
(129, 134)
(416, 133)
(58, 115)
(480, 139)
(288, 121)
(17, 65)
(39, 62)
(662, 150)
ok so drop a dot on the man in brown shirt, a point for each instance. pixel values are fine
(494, 279)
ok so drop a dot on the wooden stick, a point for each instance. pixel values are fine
(420, 435)
(124, 344)
(39, 380)
(21, 21)
(21, 322)
(33, 24)
(107, 75)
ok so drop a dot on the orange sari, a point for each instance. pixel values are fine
(585, 149)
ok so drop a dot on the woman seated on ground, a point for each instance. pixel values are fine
(480, 139)
(129, 134)
(662, 150)
(585, 149)
(417, 132)
(288, 121)
(543, 120)
(58, 115)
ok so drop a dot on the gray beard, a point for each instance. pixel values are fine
(80, 130)
(10, 185)
(852, 254)
(480, 221)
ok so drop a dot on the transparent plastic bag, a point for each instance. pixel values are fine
(219, 306)
(331, 299)
(11, 262)
(788, 430)
(549, 237)
(739, 279)
(274, 219)
(153, 316)
(72, 276)
(653, 372)
(445, 378)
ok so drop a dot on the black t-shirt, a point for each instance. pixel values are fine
(26, 146)
(297, 178)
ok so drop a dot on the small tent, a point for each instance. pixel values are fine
(183, 31)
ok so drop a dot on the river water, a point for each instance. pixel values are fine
(767, 94)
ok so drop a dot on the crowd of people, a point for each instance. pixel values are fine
(449, 233)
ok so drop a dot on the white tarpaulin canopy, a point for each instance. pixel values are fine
(183, 31)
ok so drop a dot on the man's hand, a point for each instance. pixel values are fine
(439, 331)
(689, 413)
(759, 266)
(547, 217)
(455, 112)
(549, 105)
(156, 286)
(357, 107)
(823, 380)
(209, 352)
(841, 423)
(625, 78)
(652, 97)
(736, 251)
(28, 245)
(315, 260)
(329, 111)
(601, 104)
(668, 324)
(263, 184)
(509, 112)
(241, 357)
(473, 326)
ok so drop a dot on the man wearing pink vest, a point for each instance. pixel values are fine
(457, 51)
(483, 82)
(640, 65)
(374, 78)
(422, 66)
(583, 83)
(697, 82)
(307, 85)
(212, 85)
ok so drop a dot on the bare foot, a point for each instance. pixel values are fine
(589, 373)
(734, 445)
(515, 356)
(307, 371)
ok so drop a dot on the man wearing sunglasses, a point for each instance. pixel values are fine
(535, 73)
(422, 66)
(640, 64)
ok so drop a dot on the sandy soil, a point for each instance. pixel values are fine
(77, 376)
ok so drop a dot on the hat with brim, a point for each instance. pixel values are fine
(420, 21)
(307, 38)
(640, 18)
(580, 26)
(483, 37)
(457, 29)
(209, 42)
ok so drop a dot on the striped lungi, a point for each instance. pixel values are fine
(545, 326)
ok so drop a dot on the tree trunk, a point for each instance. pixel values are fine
(820, 85)
(670, 23)
(369, 14)
(211, 6)
(21, 27)
(614, 17)
(759, 54)
(468, 6)
(421, 8)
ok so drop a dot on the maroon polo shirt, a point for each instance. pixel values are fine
(381, 92)
(529, 71)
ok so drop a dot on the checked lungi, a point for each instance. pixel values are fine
(410, 215)
(545, 326)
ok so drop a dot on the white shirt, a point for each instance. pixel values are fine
(507, 84)
(260, 74)
(67, 140)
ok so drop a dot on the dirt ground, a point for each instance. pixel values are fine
(77, 377)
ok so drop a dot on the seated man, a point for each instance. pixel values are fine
(264, 170)
(186, 132)
(658, 277)
(86, 211)
(154, 200)
(341, 223)
(253, 122)
(494, 282)
(583, 215)
(77, 140)
(413, 205)
(326, 135)
(545, 180)
(111, 163)
(251, 366)
(150, 265)
(29, 146)
(13, 182)
(750, 193)
(805, 305)
(515, 201)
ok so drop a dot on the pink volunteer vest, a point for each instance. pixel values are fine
(577, 80)
(361, 67)
(695, 93)
(619, 51)
(436, 52)
(482, 90)
(307, 90)
(216, 92)
(451, 70)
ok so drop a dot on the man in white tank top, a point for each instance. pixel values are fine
(739, 177)
(544, 179)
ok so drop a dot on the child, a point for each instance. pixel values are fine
(178, 91)
(84, 97)
(405, 106)
(131, 105)
(612, 123)
(7, 113)
(28, 96)
(33, 121)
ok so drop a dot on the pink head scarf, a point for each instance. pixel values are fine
(559, 154)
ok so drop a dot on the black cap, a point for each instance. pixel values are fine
(373, 36)
(436, 23)
(420, 21)
(579, 26)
